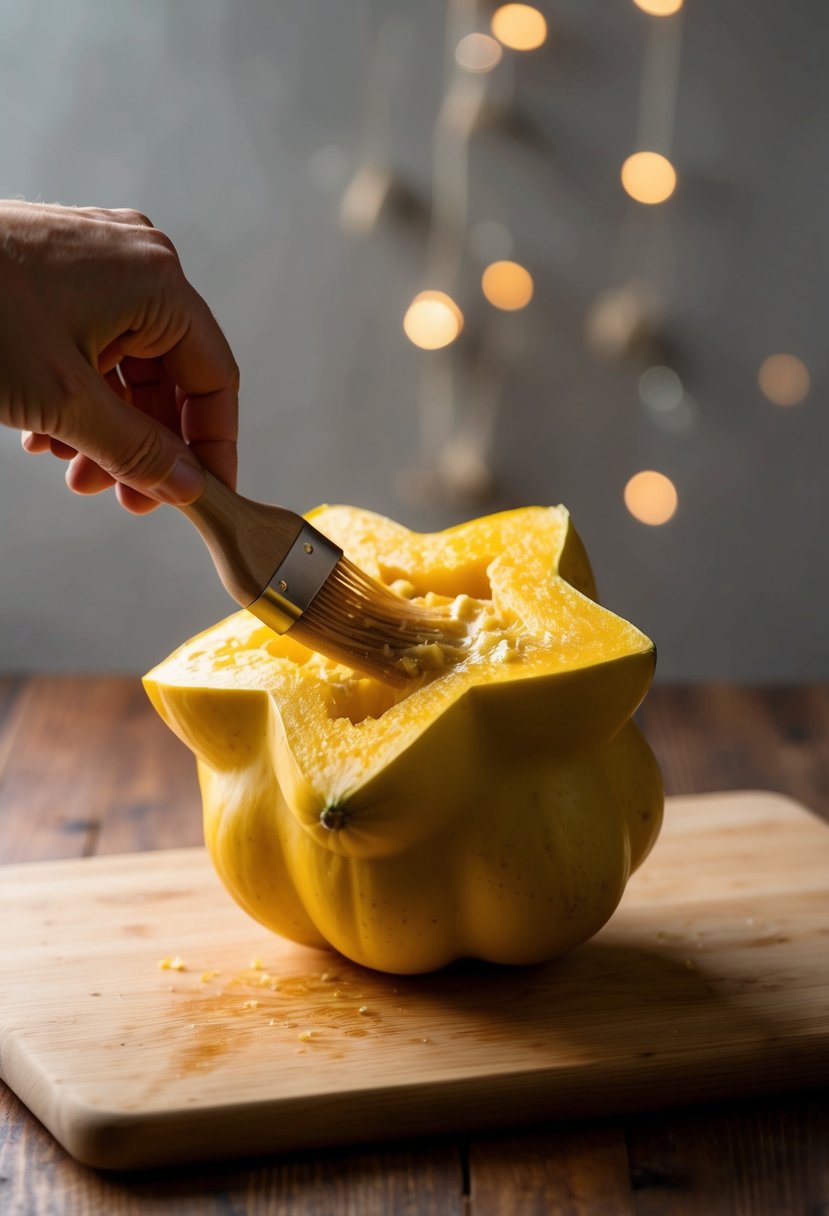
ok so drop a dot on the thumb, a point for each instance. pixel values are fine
(131, 446)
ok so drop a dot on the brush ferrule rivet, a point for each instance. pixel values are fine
(296, 580)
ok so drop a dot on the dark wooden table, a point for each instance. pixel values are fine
(85, 767)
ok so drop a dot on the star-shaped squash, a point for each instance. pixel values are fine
(493, 808)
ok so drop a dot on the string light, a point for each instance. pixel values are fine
(651, 497)
(432, 320)
(659, 8)
(519, 26)
(648, 177)
(784, 379)
(507, 286)
(478, 53)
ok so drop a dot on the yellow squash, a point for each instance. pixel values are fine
(494, 808)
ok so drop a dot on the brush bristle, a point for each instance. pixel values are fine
(356, 620)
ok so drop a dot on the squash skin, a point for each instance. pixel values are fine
(505, 830)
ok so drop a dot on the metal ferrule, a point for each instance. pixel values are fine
(296, 580)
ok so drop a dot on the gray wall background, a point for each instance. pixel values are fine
(207, 115)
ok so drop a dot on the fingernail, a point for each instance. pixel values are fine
(183, 485)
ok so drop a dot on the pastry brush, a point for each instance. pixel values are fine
(279, 567)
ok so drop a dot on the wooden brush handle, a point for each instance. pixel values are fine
(247, 540)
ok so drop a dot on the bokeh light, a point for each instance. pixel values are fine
(620, 321)
(660, 389)
(478, 53)
(651, 497)
(648, 177)
(432, 320)
(659, 8)
(784, 379)
(507, 285)
(519, 26)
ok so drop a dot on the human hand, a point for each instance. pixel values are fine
(109, 358)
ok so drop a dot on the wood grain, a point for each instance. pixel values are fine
(766, 1157)
(563, 1172)
(707, 737)
(86, 767)
(722, 736)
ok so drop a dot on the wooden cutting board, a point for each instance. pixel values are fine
(711, 980)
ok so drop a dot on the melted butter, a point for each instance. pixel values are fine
(491, 635)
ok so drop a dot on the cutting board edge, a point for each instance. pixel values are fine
(118, 1140)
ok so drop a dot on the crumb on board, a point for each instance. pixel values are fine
(172, 964)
